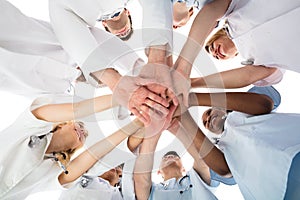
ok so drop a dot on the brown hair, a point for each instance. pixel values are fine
(217, 35)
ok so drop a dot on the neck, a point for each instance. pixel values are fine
(173, 174)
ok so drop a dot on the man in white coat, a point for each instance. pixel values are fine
(71, 21)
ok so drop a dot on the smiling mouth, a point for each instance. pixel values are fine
(220, 55)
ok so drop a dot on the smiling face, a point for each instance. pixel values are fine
(120, 26)
(222, 48)
(68, 135)
(213, 119)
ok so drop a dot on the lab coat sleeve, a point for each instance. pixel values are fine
(157, 23)
(72, 32)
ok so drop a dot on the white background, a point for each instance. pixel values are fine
(12, 105)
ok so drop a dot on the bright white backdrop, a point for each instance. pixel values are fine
(12, 105)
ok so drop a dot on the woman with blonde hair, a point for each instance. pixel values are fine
(36, 148)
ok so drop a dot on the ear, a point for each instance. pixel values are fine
(127, 12)
(104, 23)
(191, 11)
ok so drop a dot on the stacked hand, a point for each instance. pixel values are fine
(154, 95)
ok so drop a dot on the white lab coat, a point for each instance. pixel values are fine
(270, 39)
(78, 17)
(23, 169)
(96, 188)
(32, 60)
(78, 41)
(259, 151)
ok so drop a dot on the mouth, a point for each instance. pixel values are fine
(79, 132)
(220, 55)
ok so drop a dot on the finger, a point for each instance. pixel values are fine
(171, 113)
(172, 96)
(145, 109)
(143, 117)
(157, 107)
(158, 99)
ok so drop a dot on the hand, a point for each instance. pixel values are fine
(137, 99)
(163, 84)
(159, 124)
(181, 86)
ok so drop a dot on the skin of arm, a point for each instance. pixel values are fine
(235, 78)
(143, 167)
(88, 158)
(71, 111)
(202, 26)
(189, 140)
(200, 148)
(250, 103)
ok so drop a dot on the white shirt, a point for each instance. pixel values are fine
(259, 151)
(270, 39)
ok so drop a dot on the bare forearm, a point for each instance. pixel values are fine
(245, 102)
(143, 168)
(235, 78)
(87, 159)
(201, 148)
(202, 26)
(157, 54)
(109, 77)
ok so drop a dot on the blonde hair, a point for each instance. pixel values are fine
(214, 37)
(64, 157)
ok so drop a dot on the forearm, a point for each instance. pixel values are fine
(157, 54)
(143, 168)
(187, 139)
(235, 78)
(245, 102)
(109, 77)
(201, 148)
(202, 26)
(135, 140)
(88, 158)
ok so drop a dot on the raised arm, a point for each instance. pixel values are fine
(201, 149)
(88, 158)
(250, 103)
(202, 26)
(71, 111)
(234, 78)
(143, 167)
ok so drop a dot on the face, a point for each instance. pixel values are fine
(69, 135)
(223, 48)
(170, 162)
(213, 119)
(113, 175)
(119, 25)
(181, 14)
